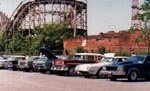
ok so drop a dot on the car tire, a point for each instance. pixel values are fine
(71, 71)
(113, 78)
(87, 76)
(43, 71)
(14, 68)
(99, 75)
(26, 70)
(147, 78)
(133, 75)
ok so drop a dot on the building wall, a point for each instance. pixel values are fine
(113, 42)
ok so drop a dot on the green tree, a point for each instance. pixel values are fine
(145, 18)
(50, 36)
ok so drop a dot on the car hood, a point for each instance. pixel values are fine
(39, 62)
(47, 53)
(97, 65)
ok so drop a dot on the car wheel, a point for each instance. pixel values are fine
(14, 68)
(43, 71)
(26, 70)
(99, 75)
(147, 78)
(113, 78)
(132, 76)
(87, 76)
(71, 71)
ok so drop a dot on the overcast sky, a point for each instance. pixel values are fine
(103, 15)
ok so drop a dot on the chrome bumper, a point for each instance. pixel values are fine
(109, 73)
(59, 68)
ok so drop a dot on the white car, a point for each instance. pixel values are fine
(83, 68)
(95, 69)
(3, 61)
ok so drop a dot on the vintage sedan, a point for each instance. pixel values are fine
(44, 63)
(133, 68)
(82, 69)
(12, 62)
(27, 64)
(95, 69)
(3, 61)
(67, 66)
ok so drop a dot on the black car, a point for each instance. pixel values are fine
(133, 68)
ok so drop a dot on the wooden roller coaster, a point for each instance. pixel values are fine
(38, 12)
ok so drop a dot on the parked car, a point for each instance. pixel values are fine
(44, 63)
(95, 69)
(12, 62)
(27, 64)
(68, 66)
(82, 69)
(3, 60)
(132, 69)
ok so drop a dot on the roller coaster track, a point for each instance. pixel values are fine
(72, 12)
(3, 21)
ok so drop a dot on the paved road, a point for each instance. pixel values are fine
(22, 81)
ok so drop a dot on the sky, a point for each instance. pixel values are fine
(103, 15)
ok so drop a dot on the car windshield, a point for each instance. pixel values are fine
(42, 59)
(136, 59)
(107, 59)
(119, 60)
(33, 58)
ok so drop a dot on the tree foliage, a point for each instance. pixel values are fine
(145, 18)
(101, 50)
(50, 36)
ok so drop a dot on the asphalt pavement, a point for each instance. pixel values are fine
(33, 81)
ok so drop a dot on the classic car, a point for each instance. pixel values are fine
(82, 69)
(44, 63)
(133, 68)
(12, 62)
(27, 64)
(67, 66)
(3, 60)
(95, 69)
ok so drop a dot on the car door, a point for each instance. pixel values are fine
(146, 67)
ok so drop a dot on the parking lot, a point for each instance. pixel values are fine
(33, 81)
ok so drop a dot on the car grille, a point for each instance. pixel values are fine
(39, 64)
(22, 63)
(110, 68)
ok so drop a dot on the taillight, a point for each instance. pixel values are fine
(59, 62)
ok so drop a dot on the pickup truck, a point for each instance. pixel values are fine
(67, 66)
(133, 68)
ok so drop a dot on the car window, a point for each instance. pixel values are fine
(135, 59)
(107, 59)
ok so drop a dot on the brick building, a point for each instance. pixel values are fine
(113, 42)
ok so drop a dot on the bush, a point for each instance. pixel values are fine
(79, 50)
(142, 53)
(101, 50)
(122, 53)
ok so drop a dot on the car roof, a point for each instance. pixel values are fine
(121, 57)
(94, 54)
(109, 54)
